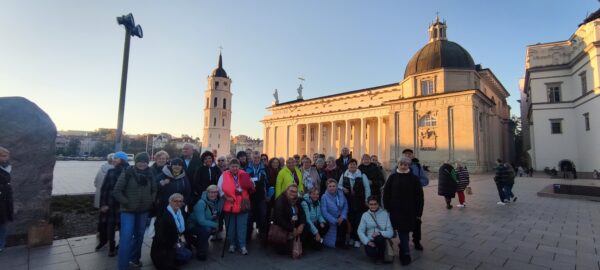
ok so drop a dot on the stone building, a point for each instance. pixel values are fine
(559, 97)
(243, 143)
(445, 108)
(217, 111)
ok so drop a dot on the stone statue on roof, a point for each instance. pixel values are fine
(299, 92)
(276, 96)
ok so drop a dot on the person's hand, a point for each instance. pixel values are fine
(165, 182)
(346, 190)
(317, 237)
(340, 220)
(322, 225)
(229, 199)
(375, 234)
(104, 208)
(371, 244)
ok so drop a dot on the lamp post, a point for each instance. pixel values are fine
(130, 30)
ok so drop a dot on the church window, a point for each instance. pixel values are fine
(224, 103)
(556, 126)
(553, 91)
(214, 122)
(583, 78)
(215, 103)
(216, 84)
(427, 121)
(223, 122)
(427, 87)
(225, 83)
(586, 118)
(312, 134)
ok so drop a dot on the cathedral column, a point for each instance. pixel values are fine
(347, 135)
(319, 137)
(379, 136)
(331, 140)
(266, 140)
(307, 139)
(361, 141)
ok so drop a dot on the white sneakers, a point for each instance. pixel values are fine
(243, 250)
(460, 205)
(500, 203)
(231, 248)
(356, 244)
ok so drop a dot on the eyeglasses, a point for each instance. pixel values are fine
(178, 201)
(220, 160)
(263, 159)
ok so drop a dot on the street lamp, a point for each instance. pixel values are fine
(130, 30)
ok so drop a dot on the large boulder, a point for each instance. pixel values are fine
(29, 134)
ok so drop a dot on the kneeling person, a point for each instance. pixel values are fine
(374, 229)
(204, 221)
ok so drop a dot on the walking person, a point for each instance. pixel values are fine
(99, 180)
(204, 221)
(403, 199)
(375, 229)
(109, 217)
(235, 186)
(6, 195)
(135, 190)
(501, 178)
(168, 251)
(463, 182)
(447, 182)
(334, 207)
(418, 171)
(510, 182)
(357, 190)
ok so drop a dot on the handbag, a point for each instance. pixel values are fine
(277, 235)
(297, 248)
(389, 252)
(469, 190)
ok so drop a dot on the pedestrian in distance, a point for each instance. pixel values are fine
(510, 182)
(501, 178)
(463, 182)
(447, 183)
(6, 195)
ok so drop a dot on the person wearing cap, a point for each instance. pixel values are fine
(172, 180)
(418, 171)
(135, 190)
(109, 207)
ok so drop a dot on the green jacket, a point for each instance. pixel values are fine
(135, 190)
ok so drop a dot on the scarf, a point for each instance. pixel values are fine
(178, 217)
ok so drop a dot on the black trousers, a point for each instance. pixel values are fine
(342, 230)
(308, 239)
(377, 251)
(416, 234)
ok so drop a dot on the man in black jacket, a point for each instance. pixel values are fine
(6, 200)
(191, 160)
(344, 159)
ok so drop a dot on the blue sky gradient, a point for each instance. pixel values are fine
(66, 56)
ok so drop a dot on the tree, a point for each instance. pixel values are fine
(72, 148)
(102, 149)
(518, 136)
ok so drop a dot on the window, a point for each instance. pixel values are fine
(225, 83)
(427, 87)
(215, 103)
(216, 84)
(583, 79)
(556, 126)
(553, 93)
(312, 134)
(214, 122)
(427, 121)
(586, 118)
(223, 122)
(224, 103)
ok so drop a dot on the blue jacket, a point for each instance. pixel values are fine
(206, 212)
(332, 208)
(418, 171)
(313, 213)
(367, 225)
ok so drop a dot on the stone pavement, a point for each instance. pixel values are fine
(533, 233)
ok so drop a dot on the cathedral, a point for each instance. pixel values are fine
(446, 108)
(217, 112)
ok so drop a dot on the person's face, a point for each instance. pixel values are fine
(374, 159)
(330, 162)
(177, 168)
(256, 159)
(187, 151)
(319, 165)
(161, 160)
(208, 160)
(409, 154)
(314, 196)
(264, 160)
(345, 151)
(373, 205)
(291, 164)
(403, 166)
(233, 168)
(306, 163)
(4, 157)
(331, 187)
(292, 194)
(221, 162)
(212, 194)
(243, 158)
(176, 203)
(352, 166)
(366, 160)
(275, 164)
(315, 156)
(141, 165)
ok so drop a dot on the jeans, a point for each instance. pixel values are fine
(500, 188)
(133, 226)
(3, 235)
(378, 250)
(236, 228)
(404, 250)
(508, 191)
(202, 234)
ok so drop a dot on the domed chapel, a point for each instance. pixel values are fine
(446, 108)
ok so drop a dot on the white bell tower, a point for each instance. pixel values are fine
(217, 112)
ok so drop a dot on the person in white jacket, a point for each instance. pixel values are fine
(99, 180)
(374, 229)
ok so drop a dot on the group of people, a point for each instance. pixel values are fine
(295, 205)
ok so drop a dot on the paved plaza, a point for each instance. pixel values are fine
(533, 233)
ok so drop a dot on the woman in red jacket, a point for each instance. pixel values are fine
(235, 187)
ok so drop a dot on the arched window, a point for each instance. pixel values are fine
(215, 103)
(224, 103)
(214, 122)
(427, 121)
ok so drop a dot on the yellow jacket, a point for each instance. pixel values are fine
(285, 178)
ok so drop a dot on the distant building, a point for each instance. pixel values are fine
(444, 108)
(560, 104)
(179, 142)
(217, 111)
(243, 142)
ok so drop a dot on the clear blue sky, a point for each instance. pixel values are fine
(66, 55)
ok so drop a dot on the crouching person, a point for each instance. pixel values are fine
(289, 217)
(312, 237)
(204, 221)
(168, 252)
(375, 229)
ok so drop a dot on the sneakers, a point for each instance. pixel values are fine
(244, 251)
(137, 264)
(231, 248)
(418, 245)
(100, 245)
(356, 244)
(506, 200)
(500, 203)
(514, 199)
(460, 205)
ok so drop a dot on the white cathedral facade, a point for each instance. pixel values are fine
(217, 112)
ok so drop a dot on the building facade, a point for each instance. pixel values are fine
(217, 111)
(243, 143)
(446, 109)
(560, 100)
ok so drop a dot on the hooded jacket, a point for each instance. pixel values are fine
(177, 184)
(312, 210)
(206, 212)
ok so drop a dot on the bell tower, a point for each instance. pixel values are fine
(437, 30)
(217, 112)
